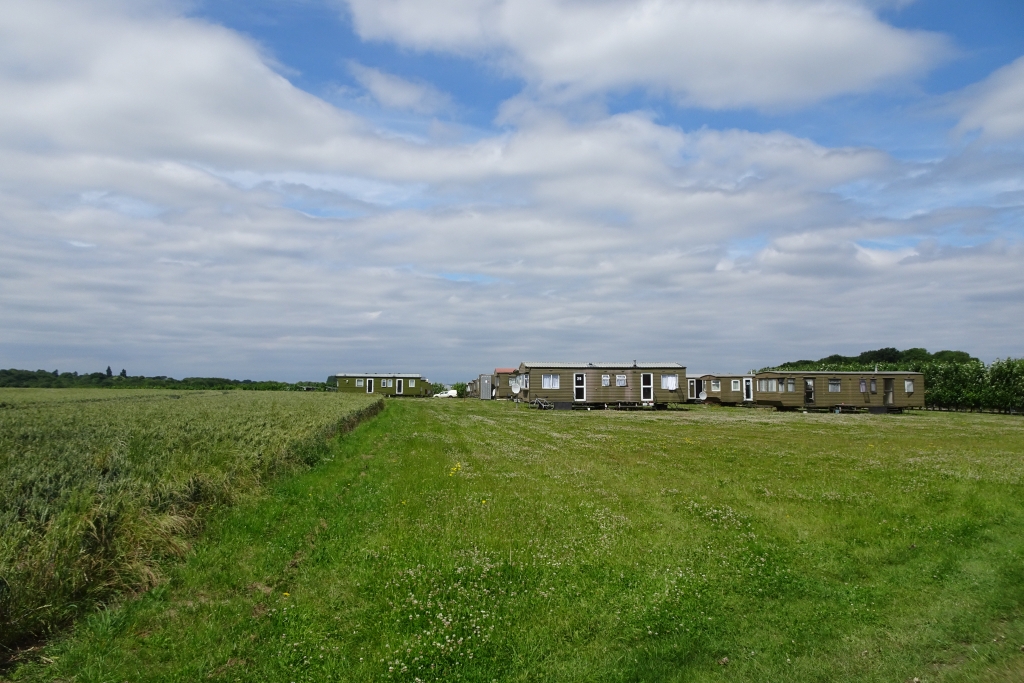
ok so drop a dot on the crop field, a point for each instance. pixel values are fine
(483, 541)
(97, 487)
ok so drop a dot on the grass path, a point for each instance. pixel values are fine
(480, 541)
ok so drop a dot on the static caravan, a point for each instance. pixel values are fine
(876, 391)
(728, 390)
(609, 385)
(501, 382)
(381, 384)
(473, 388)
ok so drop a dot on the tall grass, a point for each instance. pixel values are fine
(97, 489)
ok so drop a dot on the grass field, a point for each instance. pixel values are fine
(97, 487)
(481, 541)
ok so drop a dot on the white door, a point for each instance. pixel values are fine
(647, 387)
(400, 387)
(691, 389)
(748, 388)
(579, 386)
(369, 385)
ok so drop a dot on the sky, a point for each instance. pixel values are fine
(286, 189)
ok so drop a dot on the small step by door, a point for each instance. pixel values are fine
(579, 386)
(647, 387)
(748, 388)
(400, 386)
(808, 390)
(890, 392)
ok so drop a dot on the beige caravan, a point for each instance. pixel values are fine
(611, 385)
(876, 391)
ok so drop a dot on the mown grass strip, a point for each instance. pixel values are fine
(479, 541)
(97, 490)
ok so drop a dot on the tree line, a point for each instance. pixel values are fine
(954, 380)
(45, 379)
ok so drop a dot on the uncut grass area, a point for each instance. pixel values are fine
(481, 541)
(101, 488)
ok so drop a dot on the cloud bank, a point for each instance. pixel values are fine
(708, 53)
(170, 203)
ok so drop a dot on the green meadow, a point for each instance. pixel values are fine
(461, 540)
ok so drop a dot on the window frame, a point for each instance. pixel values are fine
(668, 380)
(716, 385)
(736, 385)
(606, 380)
(620, 380)
(835, 386)
(360, 383)
(551, 381)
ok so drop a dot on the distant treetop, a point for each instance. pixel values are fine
(888, 358)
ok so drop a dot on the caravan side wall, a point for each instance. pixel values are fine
(612, 394)
(849, 393)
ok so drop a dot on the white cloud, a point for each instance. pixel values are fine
(398, 93)
(996, 105)
(191, 165)
(708, 53)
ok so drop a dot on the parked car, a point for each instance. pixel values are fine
(451, 393)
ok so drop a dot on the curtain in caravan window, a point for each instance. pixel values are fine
(735, 385)
(716, 385)
(908, 386)
(670, 382)
(835, 386)
(606, 380)
(359, 382)
(620, 380)
(549, 382)
(412, 383)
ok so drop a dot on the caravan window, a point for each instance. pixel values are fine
(908, 386)
(549, 381)
(874, 387)
(670, 382)
(606, 380)
(767, 385)
(790, 384)
(835, 386)
(735, 385)
(359, 382)
(412, 383)
(716, 385)
(863, 386)
(620, 380)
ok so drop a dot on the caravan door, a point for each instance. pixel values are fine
(748, 388)
(400, 387)
(647, 387)
(579, 384)
(691, 389)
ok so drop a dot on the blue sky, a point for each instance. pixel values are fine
(284, 189)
